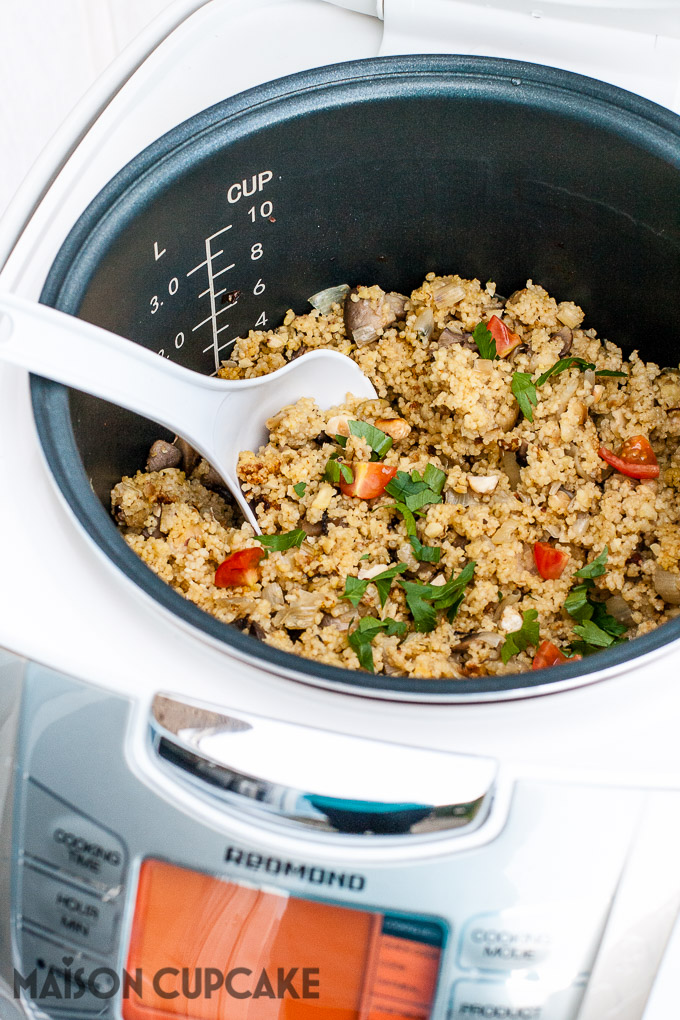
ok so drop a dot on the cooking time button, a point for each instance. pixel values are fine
(509, 940)
(58, 834)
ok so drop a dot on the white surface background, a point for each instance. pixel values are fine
(52, 51)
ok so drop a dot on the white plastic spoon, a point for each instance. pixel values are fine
(218, 417)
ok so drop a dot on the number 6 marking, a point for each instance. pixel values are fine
(259, 288)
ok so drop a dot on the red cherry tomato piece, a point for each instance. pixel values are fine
(505, 340)
(239, 568)
(635, 458)
(548, 654)
(550, 562)
(370, 480)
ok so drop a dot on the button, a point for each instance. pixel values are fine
(56, 833)
(71, 913)
(510, 940)
(517, 1000)
(59, 978)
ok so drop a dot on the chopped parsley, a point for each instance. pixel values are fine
(335, 470)
(383, 581)
(299, 489)
(425, 600)
(425, 553)
(279, 543)
(596, 627)
(378, 440)
(517, 640)
(355, 587)
(525, 393)
(416, 491)
(486, 345)
(596, 567)
(361, 638)
(524, 388)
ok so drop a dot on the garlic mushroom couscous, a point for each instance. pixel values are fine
(508, 502)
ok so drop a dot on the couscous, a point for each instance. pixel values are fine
(509, 501)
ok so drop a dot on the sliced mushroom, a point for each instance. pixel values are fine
(566, 335)
(451, 338)
(362, 320)
(163, 455)
(396, 303)
(190, 457)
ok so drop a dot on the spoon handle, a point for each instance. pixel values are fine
(86, 357)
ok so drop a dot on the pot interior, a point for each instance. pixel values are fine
(376, 172)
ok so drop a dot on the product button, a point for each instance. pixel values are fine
(71, 913)
(57, 977)
(510, 940)
(519, 1000)
(55, 832)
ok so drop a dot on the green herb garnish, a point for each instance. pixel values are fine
(279, 543)
(378, 441)
(361, 638)
(525, 393)
(525, 390)
(335, 471)
(517, 640)
(355, 587)
(424, 600)
(596, 567)
(383, 581)
(416, 491)
(425, 553)
(596, 627)
(299, 489)
(562, 365)
(486, 345)
(354, 590)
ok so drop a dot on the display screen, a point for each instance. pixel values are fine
(208, 949)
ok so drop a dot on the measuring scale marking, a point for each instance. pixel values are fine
(210, 257)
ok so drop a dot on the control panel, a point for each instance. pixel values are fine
(521, 914)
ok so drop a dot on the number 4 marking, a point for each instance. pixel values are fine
(262, 321)
(156, 253)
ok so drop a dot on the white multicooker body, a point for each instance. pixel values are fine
(525, 849)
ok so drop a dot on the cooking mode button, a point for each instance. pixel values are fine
(71, 913)
(55, 832)
(510, 940)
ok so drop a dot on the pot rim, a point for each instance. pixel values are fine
(576, 96)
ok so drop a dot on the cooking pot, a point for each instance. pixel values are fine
(375, 171)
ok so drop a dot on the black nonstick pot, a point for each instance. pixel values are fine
(374, 171)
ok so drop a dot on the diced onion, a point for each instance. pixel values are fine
(449, 294)
(617, 607)
(364, 335)
(511, 468)
(424, 323)
(667, 585)
(459, 498)
(581, 525)
(324, 300)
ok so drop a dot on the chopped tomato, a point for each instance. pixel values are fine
(548, 654)
(635, 458)
(550, 562)
(370, 480)
(505, 340)
(240, 568)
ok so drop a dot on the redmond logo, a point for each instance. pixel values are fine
(313, 874)
(61, 983)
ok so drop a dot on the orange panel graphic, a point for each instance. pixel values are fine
(208, 949)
